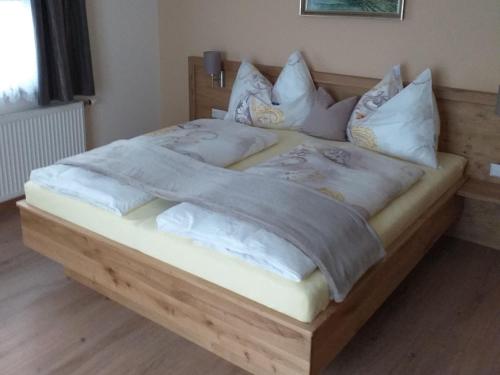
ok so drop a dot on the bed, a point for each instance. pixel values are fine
(215, 308)
(300, 300)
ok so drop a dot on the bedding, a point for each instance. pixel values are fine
(363, 179)
(237, 238)
(249, 81)
(336, 237)
(300, 300)
(216, 142)
(375, 98)
(93, 188)
(406, 125)
(254, 100)
(328, 119)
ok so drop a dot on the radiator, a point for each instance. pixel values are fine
(34, 139)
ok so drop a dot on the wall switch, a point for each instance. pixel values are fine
(218, 114)
(495, 170)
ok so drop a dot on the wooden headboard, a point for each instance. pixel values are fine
(470, 126)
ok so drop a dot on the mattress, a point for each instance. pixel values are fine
(302, 300)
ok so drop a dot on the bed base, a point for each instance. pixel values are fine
(241, 331)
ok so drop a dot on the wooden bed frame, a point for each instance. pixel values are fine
(252, 336)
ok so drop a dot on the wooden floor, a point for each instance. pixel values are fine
(444, 319)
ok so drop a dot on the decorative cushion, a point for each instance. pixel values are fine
(407, 126)
(328, 119)
(254, 101)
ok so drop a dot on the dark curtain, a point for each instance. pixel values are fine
(64, 59)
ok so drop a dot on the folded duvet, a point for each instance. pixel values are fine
(216, 142)
(90, 187)
(365, 180)
(237, 238)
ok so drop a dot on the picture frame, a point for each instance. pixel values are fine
(363, 8)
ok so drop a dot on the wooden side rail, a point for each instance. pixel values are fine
(241, 331)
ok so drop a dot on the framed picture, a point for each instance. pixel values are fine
(371, 8)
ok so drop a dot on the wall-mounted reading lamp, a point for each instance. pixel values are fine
(212, 60)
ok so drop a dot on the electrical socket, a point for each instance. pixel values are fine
(495, 170)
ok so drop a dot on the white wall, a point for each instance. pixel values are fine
(125, 53)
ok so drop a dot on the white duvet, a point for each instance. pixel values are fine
(237, 238)
(216, 142)
(93, 188)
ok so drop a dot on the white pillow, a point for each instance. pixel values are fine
(254, 101)
(249, 81)
(406, 126)
(294, 82)
(371, 101)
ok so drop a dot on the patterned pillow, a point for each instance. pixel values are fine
(265, 115)
(370, 102)
(254, 101)
(249, 82)
(407, 126)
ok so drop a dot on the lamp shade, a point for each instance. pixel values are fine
(212, 60)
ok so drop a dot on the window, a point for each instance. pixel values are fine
(18, 61)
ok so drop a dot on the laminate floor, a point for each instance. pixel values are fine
(443, 319)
